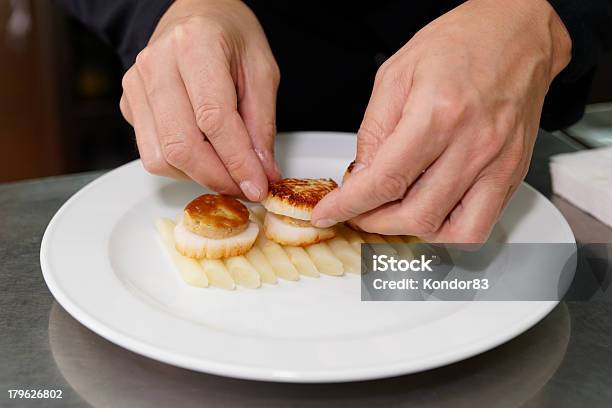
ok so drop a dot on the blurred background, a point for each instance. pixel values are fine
(60, 89)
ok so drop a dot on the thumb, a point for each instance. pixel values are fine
(258, 110)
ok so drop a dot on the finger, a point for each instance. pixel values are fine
(430, 199)
(143, 122)
(205, 70)
(472, 221)
(382, 113)
(257, 107)
(182, 143)
(404, 155)
(125, 110)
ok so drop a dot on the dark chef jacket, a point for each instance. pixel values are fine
(328, 51)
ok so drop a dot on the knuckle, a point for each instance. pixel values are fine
(154, 165)
(189, 32)
(371, 133)
(495, 141)
(273, 72)
(423, 223)
(507, 122)
(516, 153)
(209, 118)
(446, 111)
(511, 161)
(143, 63)
(127, 82)
(180, 37)
(212, 28)
(384, 73)
(391, 187)
(498, 179)
(347, 210)
(524, 169)
(125, 109)
(176, 153)
(233, 163)
(276, 74)
(490, 145)
(449, 108)
(123, 105)
(266, 137)
(192, 25)
(473, 235)
(371, 128)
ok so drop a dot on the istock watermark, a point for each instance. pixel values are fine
(510, 271)
(383, 263)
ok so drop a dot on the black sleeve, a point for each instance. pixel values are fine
(589, 23)
(125, 25)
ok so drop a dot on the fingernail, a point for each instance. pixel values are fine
(324, 223)
(250, 190)
(358, 167)
(260, 153)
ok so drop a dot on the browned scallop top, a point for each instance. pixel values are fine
(349, 169)
(301, 192)
(218, 211)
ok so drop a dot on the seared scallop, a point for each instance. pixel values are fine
(290, 203)
(215, 226)
(286, 231)
(348, 171)
(296, 198)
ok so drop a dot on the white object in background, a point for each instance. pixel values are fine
(584, 178)
(19, 24)
(595, 128)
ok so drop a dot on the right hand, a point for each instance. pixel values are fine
(202, 98)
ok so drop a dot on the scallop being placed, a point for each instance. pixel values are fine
(290, 203)
(215, 226)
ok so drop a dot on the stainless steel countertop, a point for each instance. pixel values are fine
(565, 360)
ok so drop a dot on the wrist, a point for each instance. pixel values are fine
(556, 37)
(562, 43)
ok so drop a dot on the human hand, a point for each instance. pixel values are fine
(449, 130)
(202, 98)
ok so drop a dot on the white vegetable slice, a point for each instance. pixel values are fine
(302, 262)
(277, 257)
(259, 212)
(410, 239)
(243, 272)
(348, 256)
(400, 246)
(283, 268)
(351, 236)
(324, 259)
(189, 269)
(383, 247)
(372, 238)
(261, 264)
(217, 273)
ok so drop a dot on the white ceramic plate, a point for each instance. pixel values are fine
(102, 261)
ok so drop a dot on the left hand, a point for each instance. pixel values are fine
(449, 130)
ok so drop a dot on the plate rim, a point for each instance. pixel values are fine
(263, 374)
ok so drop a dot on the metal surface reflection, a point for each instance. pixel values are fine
(107, 375)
